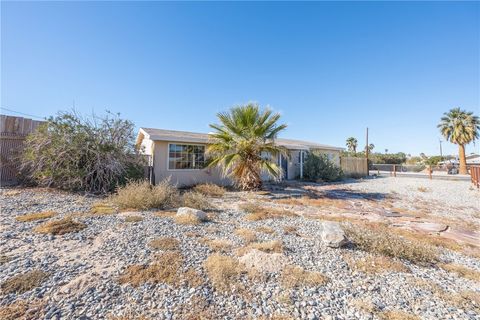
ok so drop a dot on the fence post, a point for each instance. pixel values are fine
(430, 172)
(395, 170)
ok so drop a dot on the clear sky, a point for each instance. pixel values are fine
(331, 69)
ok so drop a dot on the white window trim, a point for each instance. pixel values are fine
(184, 144)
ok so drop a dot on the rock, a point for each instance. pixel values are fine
(184, 211)
(332, 234)
(263, 262)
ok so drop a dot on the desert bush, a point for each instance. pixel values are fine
(256, 212)
(223, 271)
(133, 219)
(246, 234)
(23, 282)
(196, 200)
(75, 153)
(59, 227)
(377, 265)
(35, 216)
(210, 189)
(379, 240)
(22, 310)
(165, 243)
(318, 167)
(461, 271)
(267, 246)
(293, 276)
(142, 196)
(101, 208)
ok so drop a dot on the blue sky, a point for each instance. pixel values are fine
(331, 69)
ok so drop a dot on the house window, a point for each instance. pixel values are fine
(186, 156)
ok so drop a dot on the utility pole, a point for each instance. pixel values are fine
(441, 155)
(366, 154)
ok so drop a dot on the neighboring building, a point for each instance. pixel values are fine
(180, 155)
(473, 159)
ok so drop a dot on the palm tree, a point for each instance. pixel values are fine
(460, 127)
(370, 147)
(352, 144)
(243, 145)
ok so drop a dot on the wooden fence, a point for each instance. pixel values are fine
(475, 175)
(13, 131)
(354, 167)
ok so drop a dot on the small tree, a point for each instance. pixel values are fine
(73, 153)
(317, 166)
(352, 144)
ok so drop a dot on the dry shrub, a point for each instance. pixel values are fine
(103, 208)
(141, 195)
(294, 276)
(422, 189)
(461, 271)
(165, 213)
(196, 200)
(210, 189)
(265, 229)
(290, 230)
(11, 193)
(246, 234)
(193, 278)
(397, 315)
(133, 219)
(256, 212)
(196, 308)
(36, 216)
(188, 219)
(59, 227)
(223, 271)
(268, 246)
(166, 269)
(379, 240)
(165, 243)
(221, 245)
(377, 264)
(22, 310)
(4, 259)
(23, 282)
(192, 234)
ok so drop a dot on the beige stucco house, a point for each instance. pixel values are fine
(180, 156)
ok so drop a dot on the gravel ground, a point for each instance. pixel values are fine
(84, 267)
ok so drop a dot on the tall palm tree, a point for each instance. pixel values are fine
(460, 127)
(243, 145)
(352, 144)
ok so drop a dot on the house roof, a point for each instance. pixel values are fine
(195, 137)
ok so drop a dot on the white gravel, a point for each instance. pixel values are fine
(83, 267)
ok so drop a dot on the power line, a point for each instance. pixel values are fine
(25, 114)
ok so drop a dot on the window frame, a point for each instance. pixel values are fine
(185, 144)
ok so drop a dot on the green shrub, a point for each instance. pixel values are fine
(318, 167)
(74, 153)
(141, 195)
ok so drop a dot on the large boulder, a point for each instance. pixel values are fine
(332, 234)
(186, 211)
(263, 262)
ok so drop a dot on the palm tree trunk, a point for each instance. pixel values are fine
(462, 159)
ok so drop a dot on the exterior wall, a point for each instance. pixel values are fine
(184, 177)
(334, 155)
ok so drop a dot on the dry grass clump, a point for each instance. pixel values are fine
(221, 245)
(377, 264)
(397, 315)
(193, 278)
(265, 229)
(422, 189)
(256, 212)
(188, 219)
(268, 246)
(4, 259)
(23, 282)
(461, 271)
(22, 310)
(167, 269)
(133, 219)
(379, 240)
(165, 243)
(101, 208)
(246, 234)
(290, 230)
(165, 213)
(316, 202)
(142, 196)
(59, 227)
(210, 189)
(294, 276)
(196, 200)
(223, 271)
(11, 193)
(36, 216)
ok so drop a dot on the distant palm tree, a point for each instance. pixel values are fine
(352, 144)
(386, 151)
(370, 147)
(460, 127)
(244, 145)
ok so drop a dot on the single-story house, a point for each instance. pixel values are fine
(180, 155)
